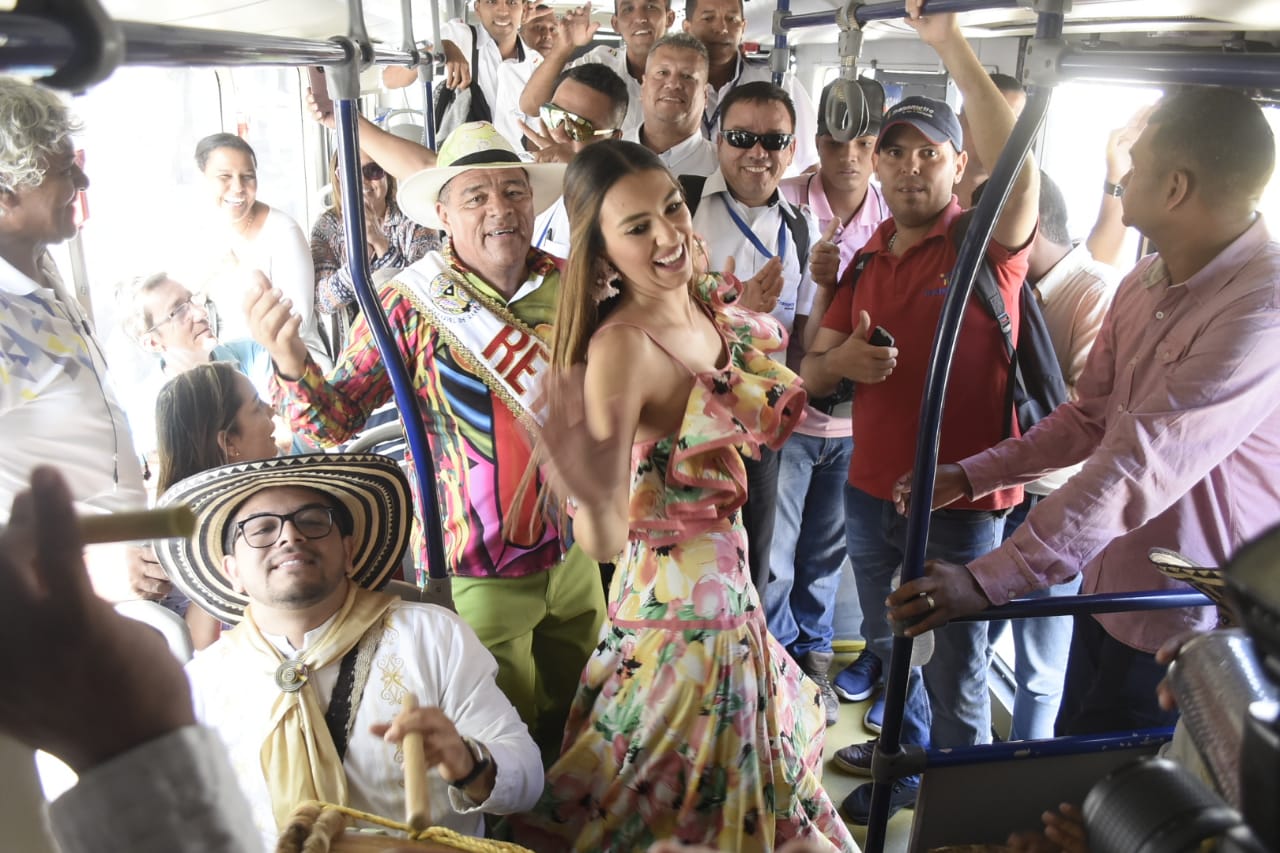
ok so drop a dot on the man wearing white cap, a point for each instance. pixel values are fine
(308, 689)
(471, 321)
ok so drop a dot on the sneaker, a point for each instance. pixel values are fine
(817, 665)
(859, 680)
(856, 758)
(856, 808)
(874, 720)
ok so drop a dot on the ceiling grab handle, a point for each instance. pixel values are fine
(847, 115)
(344, 81)
(99, 41)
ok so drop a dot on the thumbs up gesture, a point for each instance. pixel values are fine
(862, 361)
(824, 258)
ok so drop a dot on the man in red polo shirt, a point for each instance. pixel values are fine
(919, 161)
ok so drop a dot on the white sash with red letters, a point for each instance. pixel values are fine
(504, 352)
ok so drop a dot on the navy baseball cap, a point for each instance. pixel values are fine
(932, 118)
(872, 93)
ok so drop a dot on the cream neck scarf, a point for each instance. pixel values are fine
(299, 759)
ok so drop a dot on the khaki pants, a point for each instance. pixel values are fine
(541, 629)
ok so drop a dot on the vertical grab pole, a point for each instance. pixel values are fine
(778, 58)
(344, 81)
(429, 100)
(970, 255)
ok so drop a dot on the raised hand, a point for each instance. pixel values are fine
(1121, 140)
(275, 326)
(577, 28)
(860, 360)
(325, 118)
(933, 29)
(761, 291)
(457, 71)
(824, 257)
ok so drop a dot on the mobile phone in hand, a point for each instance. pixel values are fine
(880, 338)
(320, 90)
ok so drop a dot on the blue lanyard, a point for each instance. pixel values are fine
(750, 235)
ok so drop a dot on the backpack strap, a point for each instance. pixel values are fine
(480, 109)
(799, 228)
(987, 290)
(691, 186)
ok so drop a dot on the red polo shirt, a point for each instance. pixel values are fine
(904, 295)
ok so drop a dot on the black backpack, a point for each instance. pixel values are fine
(692, 185)
(1035, 386)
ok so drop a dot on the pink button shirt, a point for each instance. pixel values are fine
(1178, 425)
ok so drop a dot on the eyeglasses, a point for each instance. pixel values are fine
(746, 139)
(263, 530)
(180, 312)
(576, 127)
(372, 172)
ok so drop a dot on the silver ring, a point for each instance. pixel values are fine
(928, 599)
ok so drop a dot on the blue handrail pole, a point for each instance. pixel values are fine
(971, 252)
(778, 58)
(393, 362)
(1073, 605)
(1021, 750)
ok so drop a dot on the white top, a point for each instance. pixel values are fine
(724, 238)
(551, 230)
(616, 58)
(174, 794)
(281, 252)
(1074, 297)
(57, 405)
(425, 649)
(501, 80)
(695, 156)
(806, 115)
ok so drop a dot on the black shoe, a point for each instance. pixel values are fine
(855, 758)
(817, 665)
(856, 807)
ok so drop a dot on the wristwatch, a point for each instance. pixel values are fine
(1111, 189)
(480, 755)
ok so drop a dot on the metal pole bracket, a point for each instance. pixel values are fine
(909, 760)
(358, 34)
(99, 41)
(344, 79)
(1042, 62)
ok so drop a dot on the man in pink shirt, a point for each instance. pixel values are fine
(1177, 418)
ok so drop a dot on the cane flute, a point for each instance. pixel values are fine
(173, 522)
(417, 800)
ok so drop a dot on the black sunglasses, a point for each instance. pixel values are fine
(746, 139)
(372, 172)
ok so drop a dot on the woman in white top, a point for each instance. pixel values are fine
(248, 235)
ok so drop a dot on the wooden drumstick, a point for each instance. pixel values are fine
(172, 522)
(417, 799)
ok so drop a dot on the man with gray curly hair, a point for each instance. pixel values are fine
(56, 404)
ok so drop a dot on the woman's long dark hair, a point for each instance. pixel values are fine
(191, 410)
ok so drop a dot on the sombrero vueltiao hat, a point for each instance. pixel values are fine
(372, 488)
(1209, 581)
(475, 145)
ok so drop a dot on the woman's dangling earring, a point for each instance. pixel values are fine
(607, 281)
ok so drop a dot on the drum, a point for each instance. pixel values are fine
(324, 828)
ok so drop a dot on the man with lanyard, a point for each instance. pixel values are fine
(808, 541)
(639, 23)
(719, 25)
(504, 62)
(901, 288)
(471, 321)
(755, 232)
(308, 689)
(672, 96)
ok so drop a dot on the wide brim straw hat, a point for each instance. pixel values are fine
(372, 488)
(475, 145)
(1207, 580)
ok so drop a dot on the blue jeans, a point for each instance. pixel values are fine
(808, 542)
(955, 679)
(1110, 687)
(1040, 652)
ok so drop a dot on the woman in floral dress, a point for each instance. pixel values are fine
(690, 721)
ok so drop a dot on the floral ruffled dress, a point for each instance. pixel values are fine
(690, 721)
